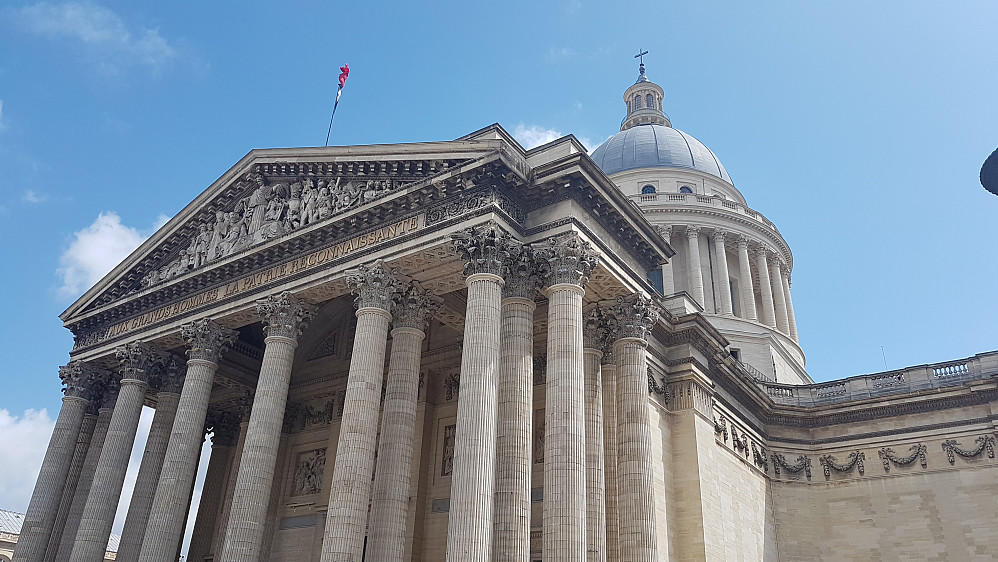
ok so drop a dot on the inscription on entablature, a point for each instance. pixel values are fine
(251, 281)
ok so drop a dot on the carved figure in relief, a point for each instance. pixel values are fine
(256, 204)
(447, 463)
(308, 473)
(324, 205)
(199, 247)
(293, 218)
(218, 233)
(309, 201)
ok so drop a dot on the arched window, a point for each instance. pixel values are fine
(637, 102)
(650, 101)
(685, 189)
(648, 190)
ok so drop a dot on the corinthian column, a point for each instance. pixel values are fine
(779, 299)
(745, 281)
(608, 372)
(169, 384)
(571, 261)
(637, 529)
(75, 471)
(668, 281)
(724, 284)
(511, 529)
(350, 490)
(389, 507)
(106, 395)
(39, 521)
(762, 265)
(594, 340)
(785, 278)
(137, 361)
(206, 341)
(284, 318)
(485, 249)
(693, 264)
(224, 428)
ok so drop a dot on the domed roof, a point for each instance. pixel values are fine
(654, 145)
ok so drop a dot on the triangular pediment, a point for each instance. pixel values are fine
(276, 194)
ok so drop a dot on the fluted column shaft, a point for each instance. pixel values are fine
(766, 288)
(218, 535)
(149, 470)
(595, 483)
(779, 298)
(244, 534)
(83, 486)
(565, 428)
(211, 496)
(608, 374)
(206, 342)
(69, 490)
(469, 526)
(102, 503)
(745, 283)
(638, 535)
(790, 305)
(515, 430)
(389, 507)
(47, 495)
(723, 281)
(693, 264)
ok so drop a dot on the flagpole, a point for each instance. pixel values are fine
(344, 73)
(331, 118)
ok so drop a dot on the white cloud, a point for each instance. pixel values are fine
(103, 34)
(33, 197)
(534, 135)
(1, 113)
(96, 250)
(23, 440)
(560, 53)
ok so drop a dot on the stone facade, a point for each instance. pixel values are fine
(459, 351)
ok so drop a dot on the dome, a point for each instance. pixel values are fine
(654, 145)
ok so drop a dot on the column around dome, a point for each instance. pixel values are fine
(745, 283)
(695, 272)
(723, 281)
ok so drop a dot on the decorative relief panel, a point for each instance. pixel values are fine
(539, 436)
(984, 443)
(309, 468)
(447, 460)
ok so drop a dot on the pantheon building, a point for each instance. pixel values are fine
(468, 351)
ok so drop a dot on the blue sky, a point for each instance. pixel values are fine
(858, 128)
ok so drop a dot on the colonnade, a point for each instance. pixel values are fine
(777, 310)
(598, 494)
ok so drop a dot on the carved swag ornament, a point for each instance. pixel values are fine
(917, 452)
(855, 460)
(984, 443)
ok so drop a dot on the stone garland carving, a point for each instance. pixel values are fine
(803, 464)
(887, 456)
(759, 457)
(284, 315)
(539, 437)
(655, 388)
(206, 340)
(447, 462)
(452, 386)
(301, 417)
(486, 248)
(309, 471)
(856, 460)
(268, 212)
(472, 202)
(740, 444)
(566, 258)
(413, 306)
(374, 285)
(721, 427)
(984, 443)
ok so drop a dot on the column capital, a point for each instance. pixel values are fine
(137, 361)
(521, 273)
(596, 330)
(206, 340)
(284, 315)
(719, 235)
(743, 240)
(413, 306)
(635, 315)
(567, 258)
(485, 248)
(83, 380)
(692, 231)
(665, 230)
(169, 378)
(375, 286)
(761, 251)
